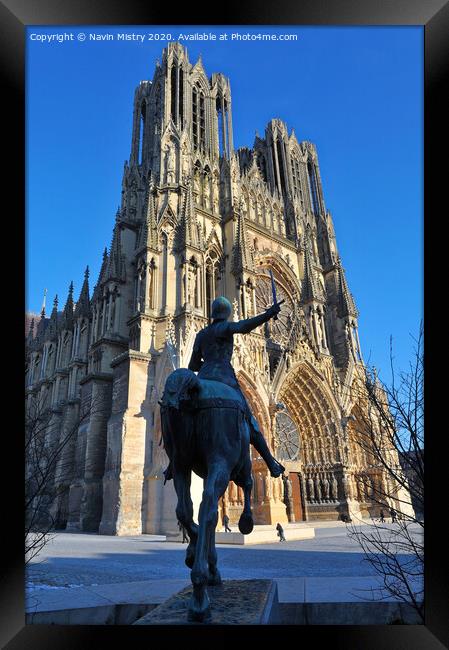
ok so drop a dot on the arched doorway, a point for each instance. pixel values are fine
(307, 403)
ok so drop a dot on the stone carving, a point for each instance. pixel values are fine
(191, 284)
(317, 489)
(325, 484)
(310, 489)
(334, 489)
(185, 163)
(169, 163)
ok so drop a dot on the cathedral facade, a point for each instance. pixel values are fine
(199, 219)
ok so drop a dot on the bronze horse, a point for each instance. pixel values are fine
(205, 430)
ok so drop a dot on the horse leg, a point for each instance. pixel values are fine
(184, 512)
(215, 485)
(214, 574)
(246, 522)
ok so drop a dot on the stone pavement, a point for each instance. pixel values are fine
(82, 571)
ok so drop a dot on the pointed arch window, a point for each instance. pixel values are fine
(207, 188)
(164, 269)
(224, 128)
(50, 360)
(152, 283)
(141, 132)
(296, 179)
(195, 117)
(283, 187)
(198, 118)
(177, 94)
(212, 278)
(174, 90)
(181, 97)
(313, 188)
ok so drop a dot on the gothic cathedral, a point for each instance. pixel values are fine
(199, 219)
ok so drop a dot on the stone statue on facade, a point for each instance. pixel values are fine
(288, 498)
(169, 163)
(310, 489)
(207, 427)
(191, 285)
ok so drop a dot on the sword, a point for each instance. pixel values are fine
(273, 289)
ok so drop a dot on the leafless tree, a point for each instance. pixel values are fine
(390, 433)
(48, 470)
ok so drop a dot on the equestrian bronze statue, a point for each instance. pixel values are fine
(207, 428)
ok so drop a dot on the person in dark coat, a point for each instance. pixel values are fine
(393, 515)
(382, 519)
(226, 524)
(280, 532)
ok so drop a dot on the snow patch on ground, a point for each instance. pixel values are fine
(30, 586)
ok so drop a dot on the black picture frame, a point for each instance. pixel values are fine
(15, 15)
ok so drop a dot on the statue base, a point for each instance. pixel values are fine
(234, 602)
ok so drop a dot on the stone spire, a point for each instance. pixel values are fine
(311, 289)
(148, 235)
(54, 313)
(241, 259)
(67, 314)
(189, 233)
(83, 304)
(346, 305)
(116, 266)
(53, 325)
(101, 275)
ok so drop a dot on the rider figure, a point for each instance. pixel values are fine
(211, 356)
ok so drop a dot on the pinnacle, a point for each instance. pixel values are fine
(54, 313)
(242, 258)
(347, 304)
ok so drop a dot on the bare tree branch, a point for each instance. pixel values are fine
(48, 473)
(390, 432)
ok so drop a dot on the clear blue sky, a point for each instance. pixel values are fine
(356, 92)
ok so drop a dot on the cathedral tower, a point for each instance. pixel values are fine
(198, 219)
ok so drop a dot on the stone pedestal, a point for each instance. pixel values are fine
(271, 512)
(235, 602)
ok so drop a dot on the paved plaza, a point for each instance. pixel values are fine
(97, 579)
(71, 559)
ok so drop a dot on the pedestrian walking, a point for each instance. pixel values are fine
(226, 524)
(393, 515)
(381, 513)
(280, 532)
